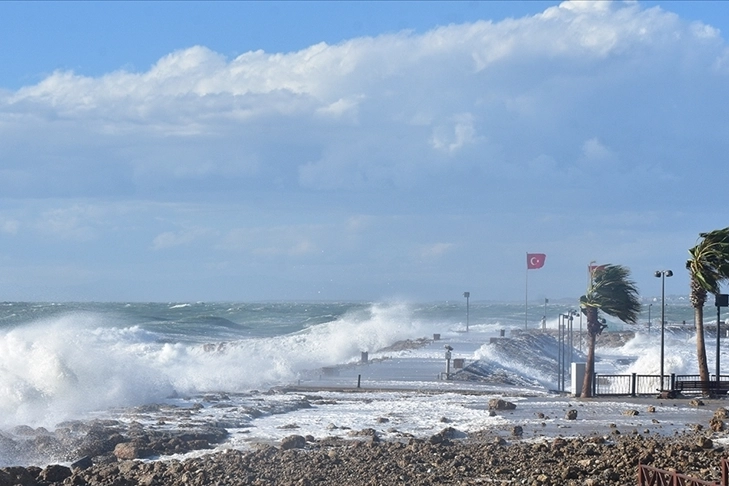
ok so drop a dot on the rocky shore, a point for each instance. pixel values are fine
(115, 456)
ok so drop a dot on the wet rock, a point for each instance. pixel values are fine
(131, 450)
(293, 442)
(54, 473)
(705, 443)
(695, 402)
(571, 414)
(83, 463)
(716, 424)
(368, 433)
(574, 461)
(14, 476)
(630, 413)
(499, 404)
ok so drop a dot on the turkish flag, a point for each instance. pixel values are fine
(535, 260)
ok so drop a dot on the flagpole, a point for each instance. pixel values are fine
(526, 295)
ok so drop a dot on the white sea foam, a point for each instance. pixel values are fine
(82, 364)
(62, 367)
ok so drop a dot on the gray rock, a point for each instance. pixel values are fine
(293, 442)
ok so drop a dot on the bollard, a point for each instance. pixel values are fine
(364, 357)
(359, 380)
(502, 332)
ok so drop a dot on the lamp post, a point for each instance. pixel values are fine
(559, 352)
(721, 300)
(580, 336)
(562, 350)
(573, 313)
(662, 274)
(467, 295)
(649, 318)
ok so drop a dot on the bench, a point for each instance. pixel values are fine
(713, 387)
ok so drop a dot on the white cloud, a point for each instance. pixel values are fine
(9, 226)
(394, 110)
(169, 239)
(76, 223)
(452, 137)
(307, 155)
(594, 152)
(276, 241)
(435, 250)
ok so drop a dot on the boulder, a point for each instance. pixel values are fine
(499, 404)
(293, 442)
(705, 443)
(55, 473)
(131, 450)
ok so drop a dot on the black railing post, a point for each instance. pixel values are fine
(633, 384)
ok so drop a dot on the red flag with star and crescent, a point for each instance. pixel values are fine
(535, 260)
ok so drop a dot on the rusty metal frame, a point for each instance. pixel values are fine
(651, 476)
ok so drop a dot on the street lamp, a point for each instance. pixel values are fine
(649, 318)
(721, 300)
(467, 295)
(573, 313)
(561, 351)
(662, 274)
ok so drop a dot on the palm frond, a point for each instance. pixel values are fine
(709, 262)
(613, 292)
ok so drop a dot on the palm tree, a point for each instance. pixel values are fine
(613, 292)
(708, 267)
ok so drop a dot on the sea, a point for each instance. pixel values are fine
(265, 370)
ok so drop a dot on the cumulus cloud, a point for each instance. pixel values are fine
(494, 119)
(388, 110)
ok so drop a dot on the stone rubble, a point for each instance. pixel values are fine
(113, 457)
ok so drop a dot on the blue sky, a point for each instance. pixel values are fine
(174, 151)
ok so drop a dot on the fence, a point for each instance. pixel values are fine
(651, 476)
(635, 384)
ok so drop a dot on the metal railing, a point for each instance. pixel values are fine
(651, 476)
(635, 384)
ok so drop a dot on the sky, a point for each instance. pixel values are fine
(247, 151)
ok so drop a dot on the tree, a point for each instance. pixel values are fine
(613, 292)
(708, 267)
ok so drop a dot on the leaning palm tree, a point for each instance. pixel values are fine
(613, 292)
(708, 267)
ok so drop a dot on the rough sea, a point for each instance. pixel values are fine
(347, 365)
